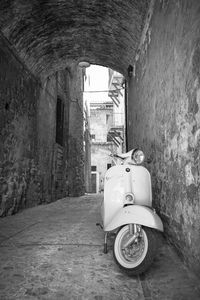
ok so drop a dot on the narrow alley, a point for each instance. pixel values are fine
(55, 251)
(56, 135)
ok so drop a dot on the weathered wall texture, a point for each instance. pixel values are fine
(50, 35)
(52, 156)
(75, 183)
(62, 165)
(46, 128)
(100, 158)
(20, 177)
(164, 119)
(33, 168)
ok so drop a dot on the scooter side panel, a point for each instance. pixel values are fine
(141, 185)
(114, 190)
(118, 182)
(135, 214)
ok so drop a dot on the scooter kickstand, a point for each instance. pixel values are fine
(100, 225)
(105, 249)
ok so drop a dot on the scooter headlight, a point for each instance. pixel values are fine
(138, 156)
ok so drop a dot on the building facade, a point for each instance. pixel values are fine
(105, 118)
(101, 120)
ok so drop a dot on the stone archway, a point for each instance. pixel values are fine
(52, 35)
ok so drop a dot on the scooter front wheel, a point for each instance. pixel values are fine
(138, 256)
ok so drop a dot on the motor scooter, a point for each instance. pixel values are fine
(127, 211)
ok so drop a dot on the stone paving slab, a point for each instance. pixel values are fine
(55, 252)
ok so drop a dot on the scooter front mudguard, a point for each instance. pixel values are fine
(135, 214)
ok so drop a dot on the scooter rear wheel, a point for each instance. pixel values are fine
(136, 258)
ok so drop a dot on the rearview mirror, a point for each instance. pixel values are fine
(149, 160)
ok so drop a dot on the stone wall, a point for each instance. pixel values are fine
(34, 169)
(62, 165)
(76, 182)
(46, 128)
(20, 178)
(164, 119)
(52, 156)
(51, 35)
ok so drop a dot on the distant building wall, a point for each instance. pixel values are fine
(100, 158)
(101, 120)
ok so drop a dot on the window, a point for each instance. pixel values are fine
(109, 138)
(109, 166)
(93, 136)
(59, 121)
(107, 118)
(93, 168)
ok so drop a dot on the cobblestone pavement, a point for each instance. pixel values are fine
(55, 252)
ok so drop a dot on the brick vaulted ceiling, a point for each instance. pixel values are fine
(53, 34)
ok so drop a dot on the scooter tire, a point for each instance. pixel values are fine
(151, 240)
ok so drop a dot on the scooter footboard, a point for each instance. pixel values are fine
(135, 214)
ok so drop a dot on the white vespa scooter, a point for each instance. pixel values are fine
(127, 210)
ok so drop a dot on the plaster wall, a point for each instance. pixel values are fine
(164, 119)
(100, 158)
(101, 121)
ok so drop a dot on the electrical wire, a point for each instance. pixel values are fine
(103, 91)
